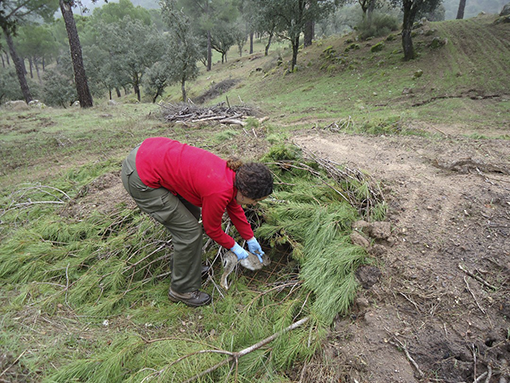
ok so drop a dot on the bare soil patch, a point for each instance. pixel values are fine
(440, 310)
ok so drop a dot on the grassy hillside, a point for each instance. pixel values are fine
(84, 275)
(348, 79)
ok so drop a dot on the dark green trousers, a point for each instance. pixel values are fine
(179, 216)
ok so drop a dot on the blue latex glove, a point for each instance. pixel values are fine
(254, 247)
(239, 251)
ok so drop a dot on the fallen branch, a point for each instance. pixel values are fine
(222, 113)
(13, 363)
(233, 121)
(479, 279)
(479, 379)
(232, 356)
(474, 297)
(403, 347)
(30, 203)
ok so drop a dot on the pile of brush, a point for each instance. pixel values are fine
(222, 113)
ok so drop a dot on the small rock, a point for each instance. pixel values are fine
(362, 226)
(380, 230)
(368, 276)
(359, 240)
(362, 303)
(377, 251)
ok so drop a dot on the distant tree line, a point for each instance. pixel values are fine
(120, 47)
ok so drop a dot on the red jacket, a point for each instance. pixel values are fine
(198, 176)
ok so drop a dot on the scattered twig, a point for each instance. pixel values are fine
(13, 363)
(410, 300)
(403, 347)
(479, 379)
(303, 371)
(440, 131)
(473, 352)
(479, 279)
(473, 295)
(30, 203)
(489, 374)
(67, 285)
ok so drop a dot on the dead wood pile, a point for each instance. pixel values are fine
(222, 113)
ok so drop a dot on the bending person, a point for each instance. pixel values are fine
(171, 181)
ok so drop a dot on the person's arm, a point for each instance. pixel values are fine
(213, 208)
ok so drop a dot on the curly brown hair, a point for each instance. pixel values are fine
(253, 180)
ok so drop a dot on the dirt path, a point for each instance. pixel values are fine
(440, 311)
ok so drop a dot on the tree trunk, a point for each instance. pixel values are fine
(407, 41)
(209, 51)
(460, 12)
(309, 33)
(20, 71)
(31, 66)
(295, 50)
(370, 10)
(407, 45)
(251, 42)
(183, 89)
(80, 78)
(136, 88)
(37, 71)
(266, 52)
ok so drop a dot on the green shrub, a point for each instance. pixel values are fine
(9, 85)
(377, 47)
(379, 25)
(59, 89)
(353, 46)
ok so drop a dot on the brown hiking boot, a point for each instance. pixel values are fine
(194, 299)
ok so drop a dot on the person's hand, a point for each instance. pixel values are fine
(239, 251)
(254, 247)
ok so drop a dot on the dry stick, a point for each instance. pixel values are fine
(410, 300)
(473, 351)
(145, 246)
(279, 287)
(473, 295)
(67, 285)
(23, 204)
(151, 262)
(479, 379)
(489, 374)
(401, 345)
(440, 131)
(13, 363)
(477, 277)
(144, 258)
(236, 355)
(302, 375)
(313, 172)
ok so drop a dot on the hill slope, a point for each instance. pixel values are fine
(338, 78)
